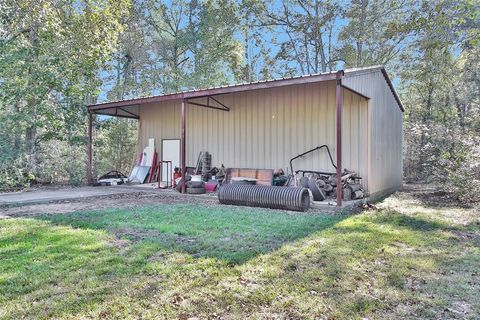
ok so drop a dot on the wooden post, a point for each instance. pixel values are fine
(90, 149)
(183, 148)
(338, 116)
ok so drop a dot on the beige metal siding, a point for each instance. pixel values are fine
(355, 135)
(386, 130)
(265, 128)
(159, 121)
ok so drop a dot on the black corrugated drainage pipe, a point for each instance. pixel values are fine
(273, 197)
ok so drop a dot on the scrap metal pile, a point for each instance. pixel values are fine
(324, 186)
(202, 178)
(253, 187)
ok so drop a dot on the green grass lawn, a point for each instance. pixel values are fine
(181, 261)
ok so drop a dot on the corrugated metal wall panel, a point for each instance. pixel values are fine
(266, 128)
(355, 135)
(386, 130)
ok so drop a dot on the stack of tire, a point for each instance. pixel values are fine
(195, 187)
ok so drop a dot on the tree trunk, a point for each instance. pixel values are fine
(30, 143)
(363, 18)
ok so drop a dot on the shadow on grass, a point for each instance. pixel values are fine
(60, 264)
(231, 234)
(114, 263)
(412, 223)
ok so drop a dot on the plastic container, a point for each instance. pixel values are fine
(210, 186)
(196, 177)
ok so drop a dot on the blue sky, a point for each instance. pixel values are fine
(268, 35)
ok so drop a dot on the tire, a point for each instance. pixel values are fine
(196, 190)
(179, 184)
(195, 184)
(304, 182)
(318, 194)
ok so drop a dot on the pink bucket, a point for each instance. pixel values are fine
(210, 186)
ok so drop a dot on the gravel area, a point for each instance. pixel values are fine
(121, 200)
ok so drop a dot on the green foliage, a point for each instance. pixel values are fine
(171, 46)
(371, 36)
(12, 175)
(440, 87)
(50, 53)
(115, 146)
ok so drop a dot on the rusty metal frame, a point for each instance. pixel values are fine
(354, 92)
(338, 118)
(183, 144)
(134, 116)
(117, 115)
(221, 108)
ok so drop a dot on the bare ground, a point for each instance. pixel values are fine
(433, 202)
(418, 197)
(125, 200)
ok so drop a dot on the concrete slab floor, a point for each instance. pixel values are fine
(64, 193)
(331, 206)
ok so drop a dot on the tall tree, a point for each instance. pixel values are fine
(50, 53)
(308, 29)
(440, 88)
(193, 43)
(370, 36)
(258, 62)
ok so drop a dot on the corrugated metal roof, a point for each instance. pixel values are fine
(197, 93)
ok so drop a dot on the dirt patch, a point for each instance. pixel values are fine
(432, 196)
(134, 234)
(468, 236)
(125, 200)
(137, 234)
(430, 201)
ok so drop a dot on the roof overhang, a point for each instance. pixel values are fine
(129, 108)
(128, 111)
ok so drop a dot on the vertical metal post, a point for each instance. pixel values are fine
(183, 147)
(338, 116)
(90, 149)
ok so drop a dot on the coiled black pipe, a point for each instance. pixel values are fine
(273, 197)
